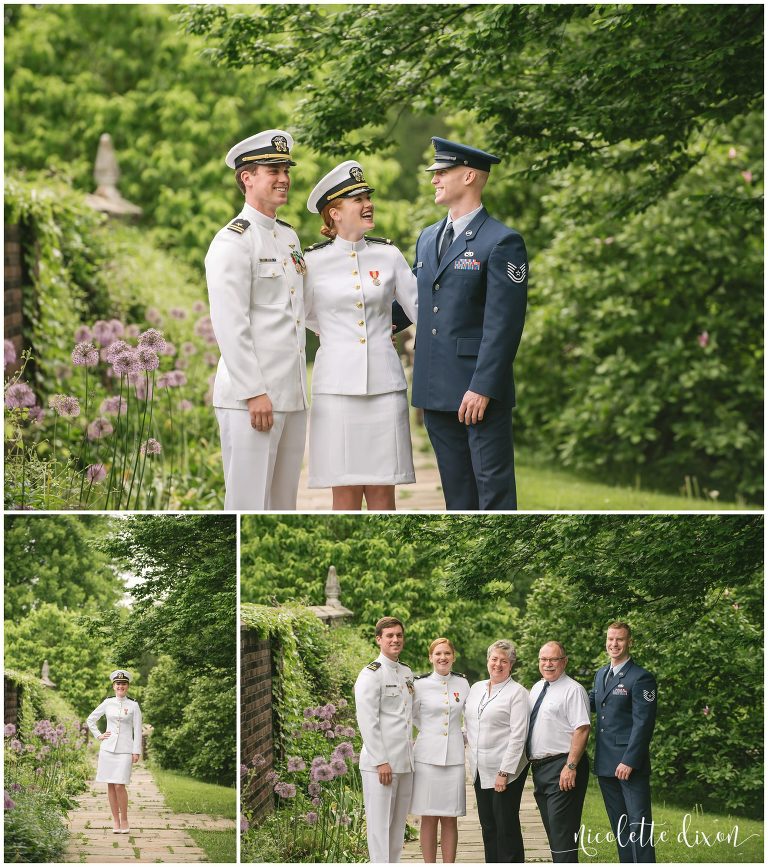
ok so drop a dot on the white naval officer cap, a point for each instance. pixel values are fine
(271, 147)
(344, 181)
(120, 675)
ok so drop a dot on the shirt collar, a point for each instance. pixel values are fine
(461, 223)
(349, 246)
(385, 660)
(257, 217)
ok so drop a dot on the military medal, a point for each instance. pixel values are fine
(298, 262)
(456, 696)
(375, 277)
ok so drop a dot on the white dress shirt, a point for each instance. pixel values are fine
(564, 708)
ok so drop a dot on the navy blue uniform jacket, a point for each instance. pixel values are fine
(626, 714)
(471, 314)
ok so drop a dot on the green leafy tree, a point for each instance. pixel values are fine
(54, 559)
(79, 658)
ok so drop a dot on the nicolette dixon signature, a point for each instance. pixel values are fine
(642, 832)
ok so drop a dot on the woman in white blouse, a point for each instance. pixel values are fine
(359, 431)
(120, 746)
(439, 793)
(496, 717)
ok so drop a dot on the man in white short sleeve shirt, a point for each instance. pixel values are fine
(557, 740)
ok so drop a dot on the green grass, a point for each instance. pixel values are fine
(219, 846)
(673, 849)
(187, 795)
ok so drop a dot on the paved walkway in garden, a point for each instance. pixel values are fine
(157, 834)
(470, 849)
(425, 495)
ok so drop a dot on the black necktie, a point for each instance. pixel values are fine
(608, 678)
(534, 714)
(446, 242)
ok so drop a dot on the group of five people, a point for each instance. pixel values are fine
(501, 731)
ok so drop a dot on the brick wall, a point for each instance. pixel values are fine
(256, 723)
(12, 699)
(13, 283)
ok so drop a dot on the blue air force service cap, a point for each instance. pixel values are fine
(449, 154)
(271, 147)
(343, 182)
(120, 675)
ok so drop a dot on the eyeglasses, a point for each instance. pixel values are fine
(551, 658)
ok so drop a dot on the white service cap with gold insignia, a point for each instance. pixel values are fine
(120, 674)
(270, 147)
(344, 181)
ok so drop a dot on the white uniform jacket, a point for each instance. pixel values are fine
(123, 720)
(438, 711)
(383, 704)
(256, 293)
(349, 290)
(496, 730)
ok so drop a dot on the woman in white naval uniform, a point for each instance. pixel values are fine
(120, 746)
(496, 717)
(359, 432)
(439, 793)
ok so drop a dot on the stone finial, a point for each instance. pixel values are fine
(106, 173)
(44, 679)
(332, 589)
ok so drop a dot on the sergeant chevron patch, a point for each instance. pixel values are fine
(516, 273)
(649, 696)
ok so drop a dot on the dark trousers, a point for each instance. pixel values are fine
(561, 811)
(628, 804)
(499, 814)
(477, 461)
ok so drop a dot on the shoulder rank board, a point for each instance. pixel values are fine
(317, 246)
(378, 240)
(374, 666)
(283, 223)
(239, 225)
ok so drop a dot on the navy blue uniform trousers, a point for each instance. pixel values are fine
(477, 461)
(628, 804)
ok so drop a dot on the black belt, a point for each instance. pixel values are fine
(536, 762)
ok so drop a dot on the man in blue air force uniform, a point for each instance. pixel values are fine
(472, 274)
(624, 700)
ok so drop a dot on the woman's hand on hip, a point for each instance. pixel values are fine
(105, 736)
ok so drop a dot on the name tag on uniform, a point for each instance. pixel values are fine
(619, 691)
(466, 265)
(267, 260)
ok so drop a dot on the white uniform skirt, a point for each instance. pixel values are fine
(439, 790)
(360, 440)
(114, 767)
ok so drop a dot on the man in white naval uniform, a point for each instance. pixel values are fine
(255, 273)
(383, 701)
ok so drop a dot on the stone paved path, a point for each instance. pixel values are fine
(425, 495)
(470, 849)
(157, 834)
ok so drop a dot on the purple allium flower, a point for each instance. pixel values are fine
(15, 787)
(148, 358)
(85, 355)
(339, 766)
(345, 820)
(295, 763)
(258, 761)
(170, 349)
(186, 405)
(95, 473)
(344, 749)
(9, 353)
(188, 348)
(98, 428)
(153, 339)
(132, 331)
(330, 734)
(322, 773)
(317, 761)
(113, 405)
(324, 725)
(243, 770)
(18, 395)
(311, 818)
(182, 363)
(342, 702)
(314, 789)
(102, 332)
(8, 802)
(307, 726)
(199, 307)
(118, 347)
(211, 359)
(285, 790)
(271, 777)
(83, 332)
(118, 329)
(65, 405)
(126, 363)
(36, 413)
(10, 730)
(38, 772)
(309, 712)
(153, 315)
(244, 825)
(151, 447)
(17, 746)
(327, 711)
(316, 802)
(703, 339)
(178, 313)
